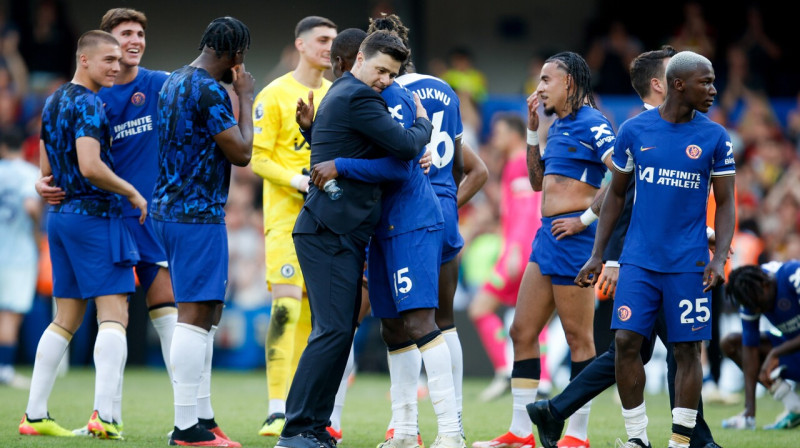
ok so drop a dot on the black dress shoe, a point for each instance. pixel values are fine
(302, 440)
(549, 427)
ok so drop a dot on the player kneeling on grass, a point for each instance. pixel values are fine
(771, 290)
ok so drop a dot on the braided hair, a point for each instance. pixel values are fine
(577, 68)
(226, 35)
(746, 286)
(392, 22)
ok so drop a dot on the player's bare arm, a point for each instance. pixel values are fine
(237, 142)
(564, 227)
(475, 174)
(535, 161)
(751, 363)
(100, 175)
(53, 195)
(613, 204)
(724, 223)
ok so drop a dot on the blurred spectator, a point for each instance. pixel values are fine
(247, 279)
(762, 52)
(286, 63)
(793, 125)
(13, 71)
(20, 212)
(464, 78)
(609, 57)
(695, 33)
(532, 80)
(47, 40)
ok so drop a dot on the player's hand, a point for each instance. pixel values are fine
(764, 375)
(304, 115)
(426, 161)
(137, 201)
(564, 227)
(303, 184)
(608, 280)
(712, 246)
(323, 172)
(243, 82)
(589, 273)
(53, 195)
(421, 112)
(533, 114)
(713, 275)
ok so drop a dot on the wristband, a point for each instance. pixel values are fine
(533, 138)
(709, 232)
(612, 264)
(296, 181)
(588, 217)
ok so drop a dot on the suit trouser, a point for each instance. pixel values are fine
(333, 267)
(600, 375)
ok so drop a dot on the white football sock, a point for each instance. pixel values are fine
(578, 425)
(341, 394)
(204, 409)
(457, 363)
(636, 423)
(187, 357)
(523, 391)
(110, 352)
(404, 366)
(52, 346)
(117, 410)
(164, 320)
(436, 358)
(277, 405)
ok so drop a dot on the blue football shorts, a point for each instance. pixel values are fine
(452, 242)
(641, 293)
(403, 272)
(561, 259)
(152, 256)
(198, 259)
(91, 256)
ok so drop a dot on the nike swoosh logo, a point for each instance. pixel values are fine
(698, 328)
(645, 149)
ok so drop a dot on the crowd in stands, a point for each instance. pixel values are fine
(36, 56)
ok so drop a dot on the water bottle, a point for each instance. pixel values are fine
(332, 188)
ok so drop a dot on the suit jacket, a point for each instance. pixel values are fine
(353, 121)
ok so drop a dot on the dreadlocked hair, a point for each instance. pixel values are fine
(226, 35)
(391, 22)
(577, 68)
(745, 285)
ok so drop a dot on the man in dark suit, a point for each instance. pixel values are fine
(331, 235)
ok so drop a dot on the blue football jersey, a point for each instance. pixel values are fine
(72, 112)
(132, 110)
(410, 204)
(194, 174)
(443, 108)
(576, 147)
(785, 316)
(673, 165)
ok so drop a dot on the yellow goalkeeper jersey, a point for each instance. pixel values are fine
(279, 149)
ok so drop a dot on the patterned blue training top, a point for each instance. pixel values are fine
(71, 112)
(194, 174)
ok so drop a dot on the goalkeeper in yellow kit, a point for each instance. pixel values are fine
(280, 154)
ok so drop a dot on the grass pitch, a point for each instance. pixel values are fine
(240, 404)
